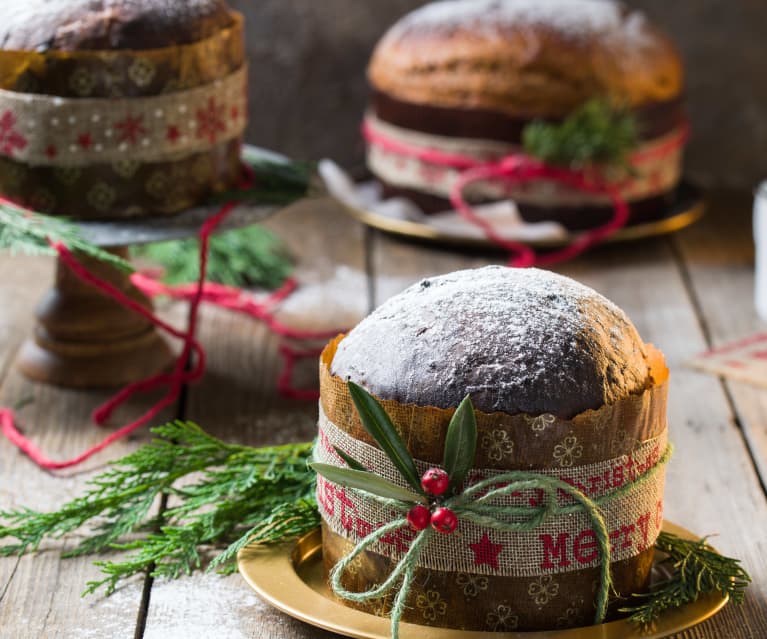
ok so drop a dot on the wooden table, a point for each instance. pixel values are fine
(685, 294)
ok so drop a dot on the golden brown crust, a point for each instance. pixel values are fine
(78, 25)
(522, 58)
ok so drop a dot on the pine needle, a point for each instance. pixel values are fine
(23, 231)
(595, 134)
(224, 497)
(248, 257)
(696, 569)
(237, 495)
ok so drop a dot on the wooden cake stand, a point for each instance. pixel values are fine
(82, 338)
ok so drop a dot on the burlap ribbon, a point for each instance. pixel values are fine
(44, 130)
(413, 159)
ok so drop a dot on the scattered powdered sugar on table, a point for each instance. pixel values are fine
(203, 605)
(100, 617)
(578, 18)
(335, 302)
(518, 341)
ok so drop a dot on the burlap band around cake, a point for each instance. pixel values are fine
(656, 164)
(480, 579)
(562, 544)
(44, 130)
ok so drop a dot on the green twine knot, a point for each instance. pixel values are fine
(481, 512)
(475, 507)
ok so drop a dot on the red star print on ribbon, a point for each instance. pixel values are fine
(10, 139)
(210, 121)
(85, 140)
(172, 134)
(130, 128)
(486, 552)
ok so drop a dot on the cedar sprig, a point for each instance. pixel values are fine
(251, 256)
(236, 493)
(696, 569)
(24, 231)
(595, 134)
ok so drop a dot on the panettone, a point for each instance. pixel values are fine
(468, 76)
(120, 108)
(562, 385)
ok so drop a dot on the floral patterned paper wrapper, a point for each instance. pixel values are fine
(481, 579)
(109, 134)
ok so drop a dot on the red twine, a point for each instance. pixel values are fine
(182, 374)
(519, 168)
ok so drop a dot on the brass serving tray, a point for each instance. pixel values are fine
(290, 578)
(688, 207)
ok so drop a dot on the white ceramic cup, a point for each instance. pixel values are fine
(760, 242)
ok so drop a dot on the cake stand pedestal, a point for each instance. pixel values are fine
(84, 339)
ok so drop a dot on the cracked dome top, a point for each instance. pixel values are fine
(519, 341)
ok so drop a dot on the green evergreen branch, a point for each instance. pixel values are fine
(23, 231)
(242, 494)
(229, 496)
(247, 257)
(252, 256)
(696, 569)
(595, 134)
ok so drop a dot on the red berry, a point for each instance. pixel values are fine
(419, 517)
(435, 482)
(444, 520)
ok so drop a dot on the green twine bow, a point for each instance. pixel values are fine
(474, 505)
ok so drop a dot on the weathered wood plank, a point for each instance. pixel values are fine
(40, 594)
(25, 279)
(237, 401)
(712, 486)
(719, 255)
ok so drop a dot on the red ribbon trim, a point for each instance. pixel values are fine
(519, 168)
(201, 291)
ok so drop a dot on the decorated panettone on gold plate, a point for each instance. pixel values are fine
(117, 109)
(560, 500)
(587, 84)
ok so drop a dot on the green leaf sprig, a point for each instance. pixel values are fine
(696, 569)
(460, 444)
(460, 449)
(237, 495)
(23, 231)
(595, 134)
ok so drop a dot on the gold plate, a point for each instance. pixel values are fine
(688, 207)
(289, 577)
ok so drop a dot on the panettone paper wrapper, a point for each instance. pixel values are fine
(89, 187)
(502, 593)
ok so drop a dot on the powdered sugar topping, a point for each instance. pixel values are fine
(516, 340)
(575, 18)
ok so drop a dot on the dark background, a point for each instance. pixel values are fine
(308, 87)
